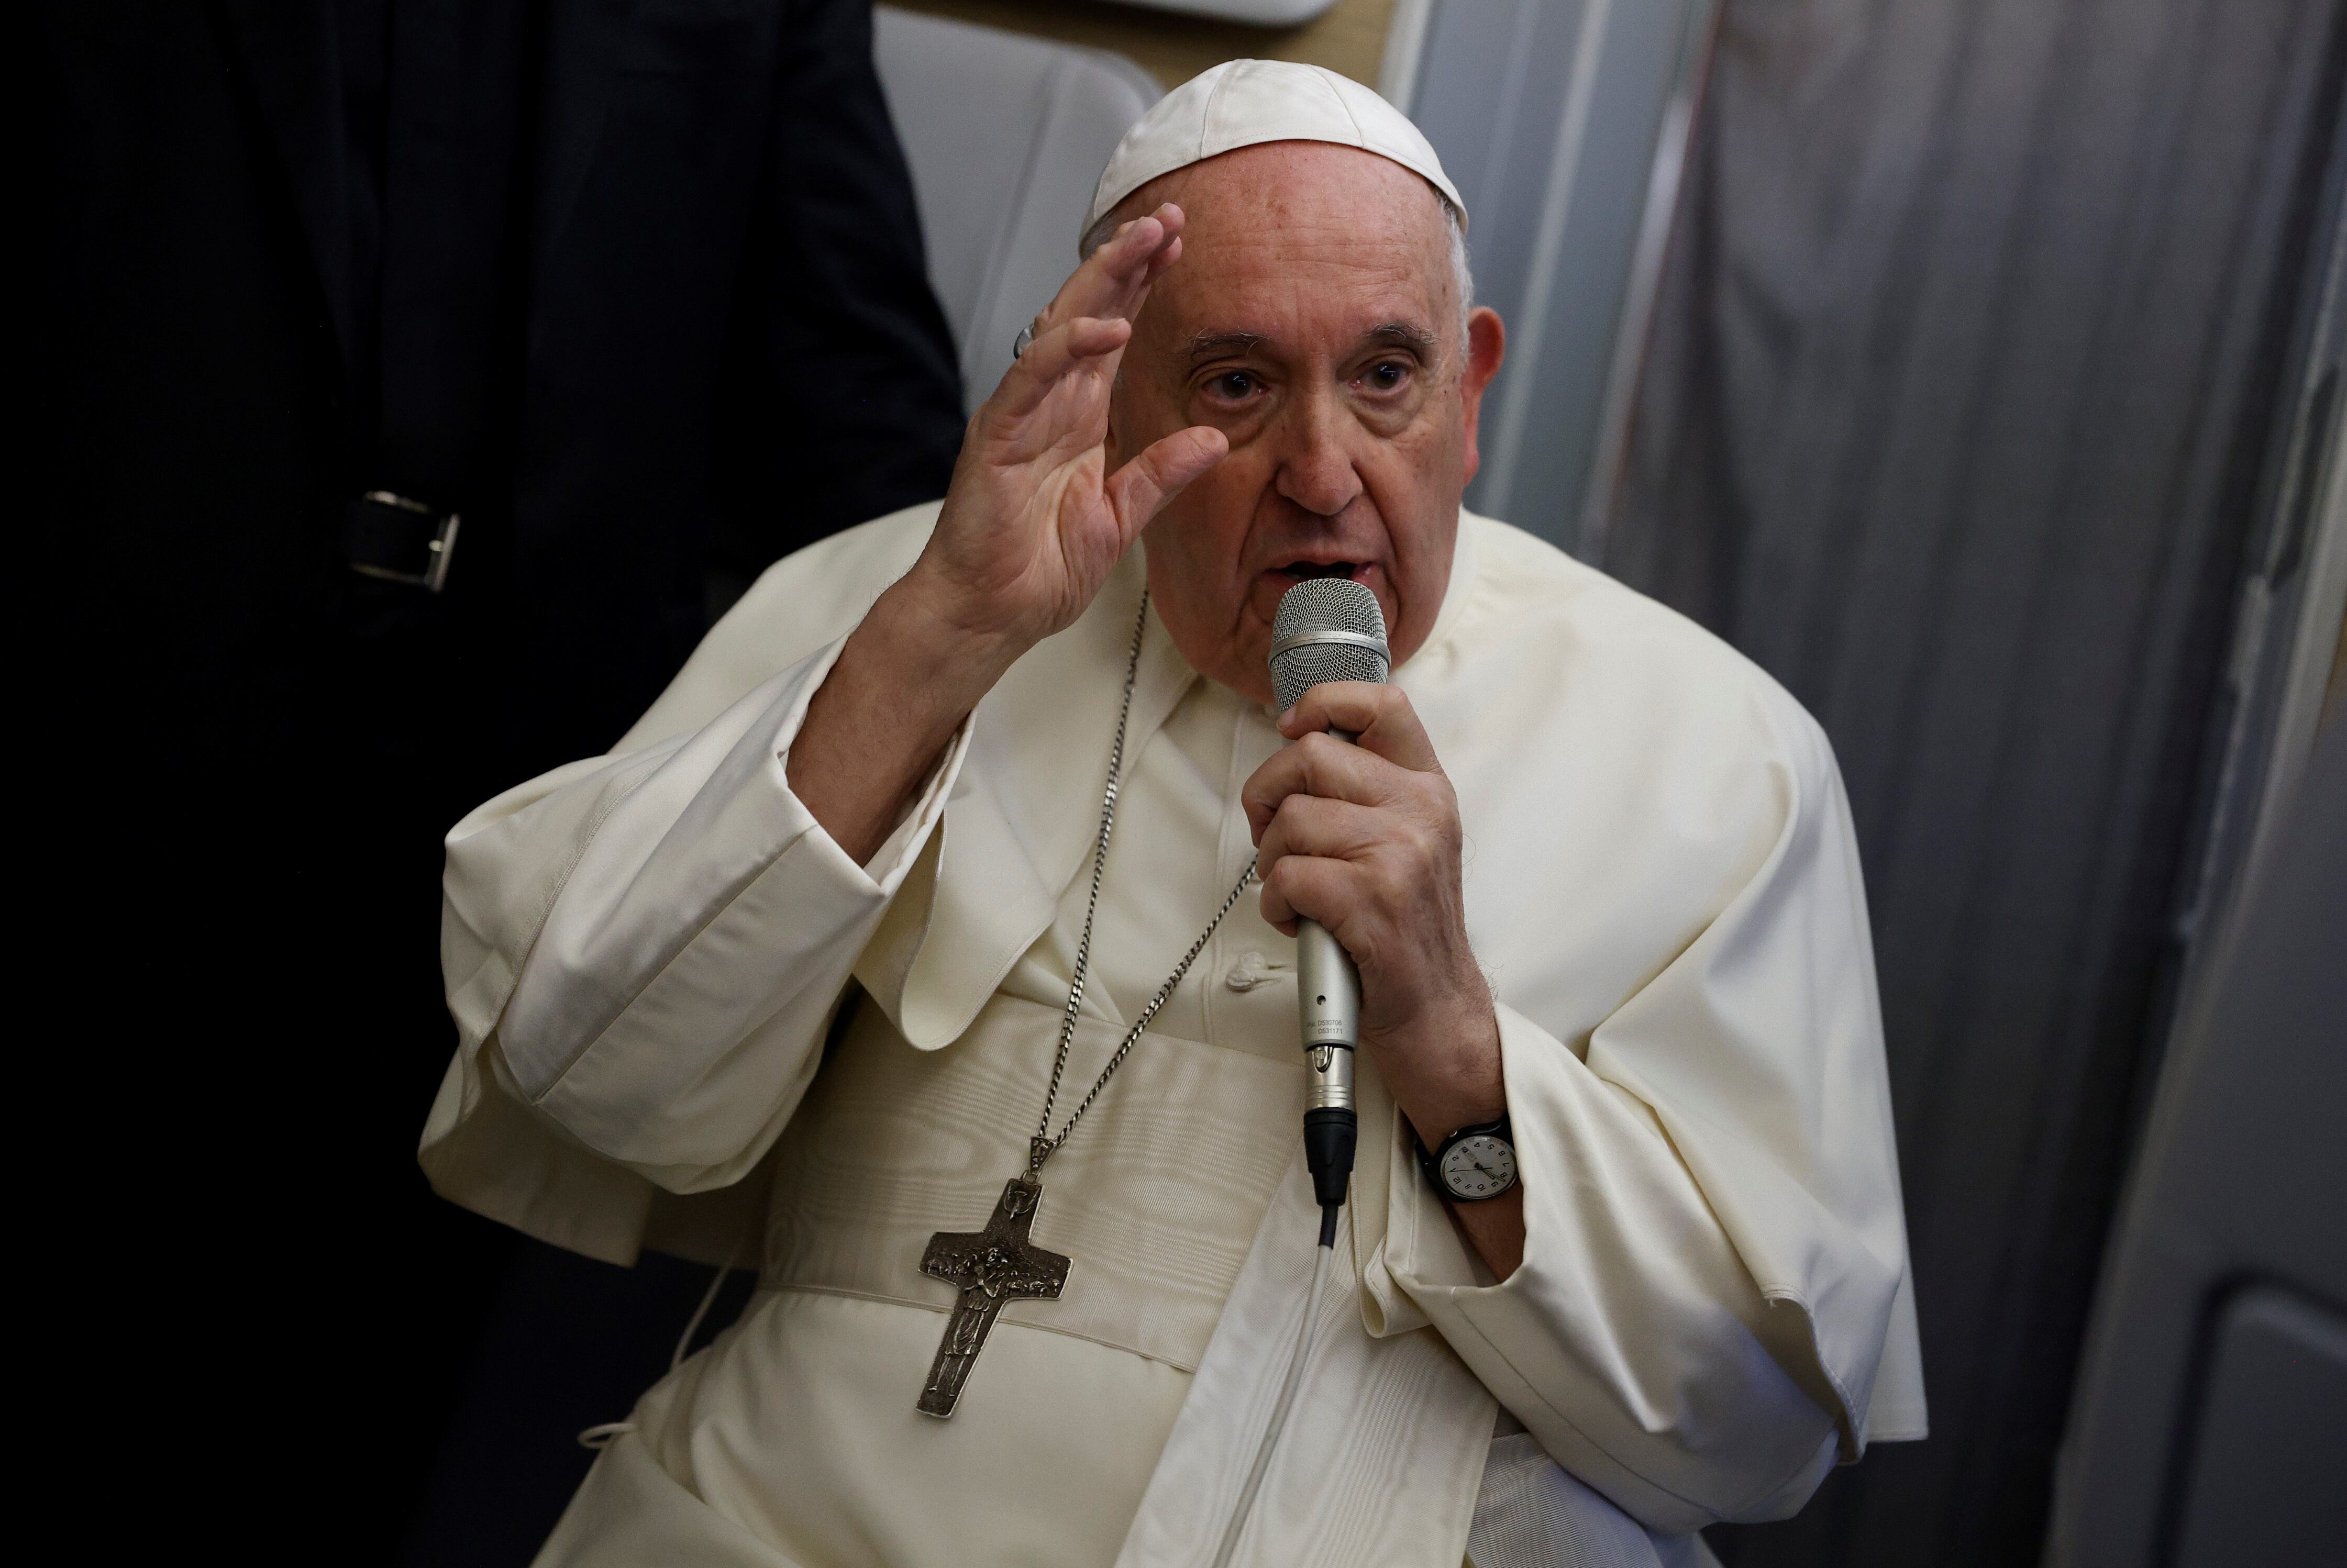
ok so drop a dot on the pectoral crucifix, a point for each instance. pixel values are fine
(993, 1266)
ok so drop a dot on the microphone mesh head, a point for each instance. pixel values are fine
(1325, 604)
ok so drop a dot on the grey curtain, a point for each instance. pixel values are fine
(1974, 320)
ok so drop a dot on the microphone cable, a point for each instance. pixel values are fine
(1288, 1384)
(1327, 629)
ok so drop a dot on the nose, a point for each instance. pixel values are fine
(1316, 470)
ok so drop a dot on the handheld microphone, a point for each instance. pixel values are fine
(1327, 628)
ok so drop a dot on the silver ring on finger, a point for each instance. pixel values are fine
(1023, 342)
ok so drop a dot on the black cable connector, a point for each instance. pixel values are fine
(1329, 1135)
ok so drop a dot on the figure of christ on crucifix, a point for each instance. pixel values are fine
(992, 1266)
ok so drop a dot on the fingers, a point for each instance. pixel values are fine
(1139, 490)
(1320, 829)
(1312, 888)
(1078, 341)
(1114, 280)
(1378, 839)
(1167, 254)
(1372, 874)
(1321, 764)
(1308, 861)
(1086, 342)
(1137, 252)
(1379, 715)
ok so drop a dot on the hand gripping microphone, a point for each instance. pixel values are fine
(1327, 628)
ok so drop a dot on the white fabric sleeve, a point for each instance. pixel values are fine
(679, 927)
(1714, 1249)
(1632, 1342)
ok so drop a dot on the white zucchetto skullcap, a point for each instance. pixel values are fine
(1242, 103)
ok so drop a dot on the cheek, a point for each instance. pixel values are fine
(1413, 475)
(1415, 484)
(1138, 412)
(1218, 508)
(1195, 544)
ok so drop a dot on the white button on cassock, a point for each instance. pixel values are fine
(1253, 970)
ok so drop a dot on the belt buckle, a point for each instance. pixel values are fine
(439, 550)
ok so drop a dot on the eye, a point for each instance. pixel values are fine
(1387, 375)
(1234, 384)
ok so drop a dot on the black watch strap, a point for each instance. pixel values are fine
(1430, 1161)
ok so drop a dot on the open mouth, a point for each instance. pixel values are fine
(1304, 570)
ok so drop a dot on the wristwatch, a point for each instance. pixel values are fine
(1473, 1163)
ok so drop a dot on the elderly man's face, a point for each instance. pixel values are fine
(1314, 319)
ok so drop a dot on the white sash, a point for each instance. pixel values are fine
(1384, 1449)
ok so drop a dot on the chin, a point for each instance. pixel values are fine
(1243, 663)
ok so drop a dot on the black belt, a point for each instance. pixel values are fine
(399, 540)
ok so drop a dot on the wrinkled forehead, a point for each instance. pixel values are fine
(1288, 226)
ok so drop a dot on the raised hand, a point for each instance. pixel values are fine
(1031, 528)
(1034, 521)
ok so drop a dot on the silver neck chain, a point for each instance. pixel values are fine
(1042, 1145)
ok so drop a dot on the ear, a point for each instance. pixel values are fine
(1487, 346)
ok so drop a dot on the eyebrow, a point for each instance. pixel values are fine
(1207, 345)
(1394, 333)
(1400, 335)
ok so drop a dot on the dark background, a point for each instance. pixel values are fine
(640, 293)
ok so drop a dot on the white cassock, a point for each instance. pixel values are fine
(646, 954)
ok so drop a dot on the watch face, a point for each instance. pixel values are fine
(1483, 1167)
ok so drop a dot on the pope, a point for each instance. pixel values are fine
(930, 944)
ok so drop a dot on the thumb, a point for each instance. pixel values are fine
(1139, 491)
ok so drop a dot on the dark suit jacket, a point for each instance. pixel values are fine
(653, 304)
